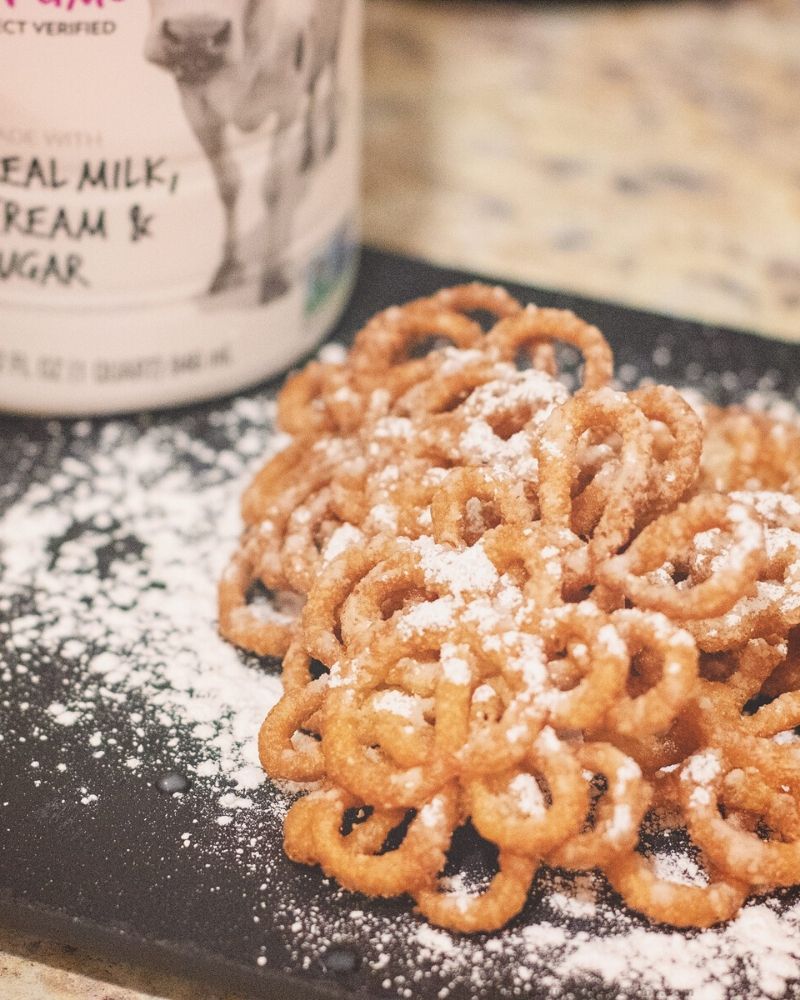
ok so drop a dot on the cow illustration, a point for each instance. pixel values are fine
(252, 64)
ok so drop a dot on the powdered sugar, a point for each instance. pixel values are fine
(109, 564)
(701, 771)
(428, 616)
(582, 944)
(455, 667)
(461, 570)
(527, 794)
(399, 703)
(679, 868)
(344, 536)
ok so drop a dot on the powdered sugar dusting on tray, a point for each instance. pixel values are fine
(108, 569)
(108, 563)
(577, 941)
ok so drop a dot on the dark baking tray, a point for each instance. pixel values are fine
(121, 886)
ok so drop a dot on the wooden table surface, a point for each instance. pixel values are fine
(644, 153)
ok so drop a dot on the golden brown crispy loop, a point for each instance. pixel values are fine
(496, 743)
(365, 770)
(393, 586)
(284, 481)
(481, 412)
(468, 502)
(388, 341)
(677, 465)
(322, 614)
(732, 849)
(266, 634)
(533, 326)
(414, 676)
(619, 811)
(348, 403)
(746, 790)
(348, 486)
(296, 667)
(453, 699)
(302, 409)
(532, 556)
(498, 416)
(326, 399)
(775, 508)
(286, 752)
(744, 450)
(475, 296)
(260, 545)
(307, 533)
(367, 836)
(717, 714)
(355, 862)
(414, 863)
(433, 404)
(779, 716)
(744, 672)
(510, 810)
(458, 743)
(600, 657)
(655, 709)
(487, 910)
(652, 753)
(598, 470)
(399, 505)
(298, 832)
(670, 538)
(774, 607)
(396, 721)
(557, 449)
(370, 829)
(785, 675)
(674, 903)
(289, 522)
